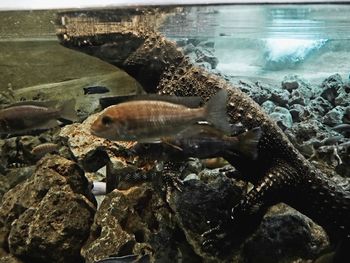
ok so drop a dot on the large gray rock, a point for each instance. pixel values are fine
(257, 91)
(330, 88)
(280, 97)
(268, 106)
(295, 82)
(334, 117)
(319, 106)
(285, 235)
(299, 113)
(200, 203)
(282, 117)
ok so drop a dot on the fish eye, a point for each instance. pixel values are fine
(106, 120)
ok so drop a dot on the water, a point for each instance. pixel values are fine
(271, 40)
(267, 41)
(292, 60)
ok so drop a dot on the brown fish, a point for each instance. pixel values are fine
(28, 116)
(151, 120)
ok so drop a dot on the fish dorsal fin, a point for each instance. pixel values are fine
(191, 102)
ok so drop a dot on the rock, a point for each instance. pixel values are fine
(194, 41)
(191, 177)
(346, 116)
(256, 91)
(319, 106)
(54, 230)
(133, 221)
(188, 49)
(48, 216)
(199, 203)
(305, 130)
(13, 177)
(203, 54)
(334, 116)
(296, 83)
(299, 113)
(268, 106)
(193, 165)
(290, 83)
(280, 97)
(283, 236)
(10, 259)
(91, 152)
(282, 117)
(343, 98)
(330, 87)
(296, 98)
(207, 44)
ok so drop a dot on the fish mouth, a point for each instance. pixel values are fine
(94, 132)
(101, 134)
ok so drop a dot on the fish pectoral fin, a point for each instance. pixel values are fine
(48, 125)
(67, 110)
(173, 145)
(149, 141)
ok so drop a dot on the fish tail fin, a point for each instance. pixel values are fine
(85, 91)
(248, 142)
(67, 110)
(216, 111)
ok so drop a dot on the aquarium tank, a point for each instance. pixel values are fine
(174, 131)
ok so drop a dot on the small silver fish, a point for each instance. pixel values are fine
(150, 120)
(28, 116)
(42, 149)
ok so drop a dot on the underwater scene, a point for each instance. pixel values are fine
(196, 133)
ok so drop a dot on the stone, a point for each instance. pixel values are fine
(9, 259)
(290, 83)
(346, 116)
(280, 97)
(203, 54)
(343, 98)
(256, 91)
(55, 230)
(130, 222)
(268, 106)
(191, 176)
(330, 87)
(306, 130)
(285, 235)
(296, 83)
(299, 113)
(296, 98)
(48, 216)
(319, 106)
(199, 203)
(334, 116)
(207, 44)
(91, 152)
(282, 117)
(13, 177)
